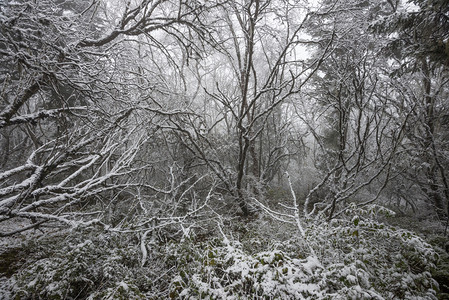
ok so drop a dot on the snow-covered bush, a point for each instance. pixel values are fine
(366, 259)
(120, 290)
(356, 258)
(225, 271)
(101, 267)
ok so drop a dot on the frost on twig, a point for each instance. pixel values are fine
(291, 218)
(143, 247)
(297, 218)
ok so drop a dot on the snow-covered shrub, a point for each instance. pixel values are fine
(357, 258)
(441, 272)
(101, 267)
(225, 271)
(365, 259)
(121, 290)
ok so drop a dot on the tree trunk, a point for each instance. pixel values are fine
(433, 191)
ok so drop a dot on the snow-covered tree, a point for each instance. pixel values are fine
(73, 99)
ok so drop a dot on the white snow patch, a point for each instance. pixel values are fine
(123, 285)
(311, 264)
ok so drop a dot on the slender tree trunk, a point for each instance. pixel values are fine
(240, 173)
(433, 191)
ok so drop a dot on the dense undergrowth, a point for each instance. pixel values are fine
(355, 257)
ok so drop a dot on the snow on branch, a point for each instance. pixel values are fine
(32, 118)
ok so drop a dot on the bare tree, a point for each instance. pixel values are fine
(73, 100)
(252, 73)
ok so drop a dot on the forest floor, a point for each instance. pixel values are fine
(14, 250)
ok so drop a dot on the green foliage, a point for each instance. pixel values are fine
(120, 291)
(422, 33)
(358, 258)
(225, 271)
(364, 256)
(100, 267)
(441, 272)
